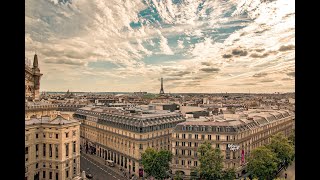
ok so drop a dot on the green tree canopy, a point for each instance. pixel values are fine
(211, 164)
(292, 137)
(262, 163)
(283, 149)
(156, 163)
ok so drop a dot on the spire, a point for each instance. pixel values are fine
(161, 89)
(35, 61)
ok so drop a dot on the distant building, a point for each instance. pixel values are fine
(235, 134)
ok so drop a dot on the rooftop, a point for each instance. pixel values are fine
(58, 120)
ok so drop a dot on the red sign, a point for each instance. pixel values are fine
(242, 157)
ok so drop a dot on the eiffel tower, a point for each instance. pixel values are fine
(161, 89)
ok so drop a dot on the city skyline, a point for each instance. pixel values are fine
(208, 46)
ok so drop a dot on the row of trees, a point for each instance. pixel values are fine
(263, 162)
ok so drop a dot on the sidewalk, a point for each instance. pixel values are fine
(290, 172)
(101, 161)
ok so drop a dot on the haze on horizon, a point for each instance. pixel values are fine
(208, 46)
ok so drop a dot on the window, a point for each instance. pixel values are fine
(44, 174)
(44, 135)
(218, 145)
(218, 137)
(177, 143)
(44, 150)
(195, 163)
(37, 165)
(141, 147)
(67, 173)
(37, 150)
(189, 144)
(73, 133)
(234, 155)
(57, 136)
(44, 164)
(177, 136)
(195, 154)
(50, 175)
(189, 152)
(227, 138)
(209, 137)
(183, 152)
(74, 170)
(202, 136)
(177, 161)
(50, 150)
(182, 162)
(74, 146)
(183, 136)
(176, 151)
(37, 136)
(190, 136)
(183, 143)
(196, 136)
(195, 144)
(227, 154)
(57, 150)
(67, 134)
(189, 163)
(67, 149)
(57, 176)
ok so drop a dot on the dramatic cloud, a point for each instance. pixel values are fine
(208, 70)
(255, 55)
(291, 74)
(260, 75)
(286, 48)
(196, 46)
(239, 52)
(227, 56)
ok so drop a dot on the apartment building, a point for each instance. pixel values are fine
(235, 134)
(122, 136)
(52, 148)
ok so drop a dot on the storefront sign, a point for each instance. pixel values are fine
(233, 147)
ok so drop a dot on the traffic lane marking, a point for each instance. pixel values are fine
(98, 166)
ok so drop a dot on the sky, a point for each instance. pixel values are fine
(199, 46)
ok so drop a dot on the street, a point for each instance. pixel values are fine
(98, 172)
(290, 172)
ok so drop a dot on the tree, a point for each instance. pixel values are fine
(283, 149)
(178, 176)
(262, 163)
(211, 163)
(229, 174)
(156, 163)
(292, 137)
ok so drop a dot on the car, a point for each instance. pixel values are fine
(89, 176)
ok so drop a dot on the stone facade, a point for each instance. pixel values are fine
(236, 138)
(123, 137)
(32, 80)
(52, 148)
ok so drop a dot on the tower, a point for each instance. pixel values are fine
(32, 80)
(161, 89)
